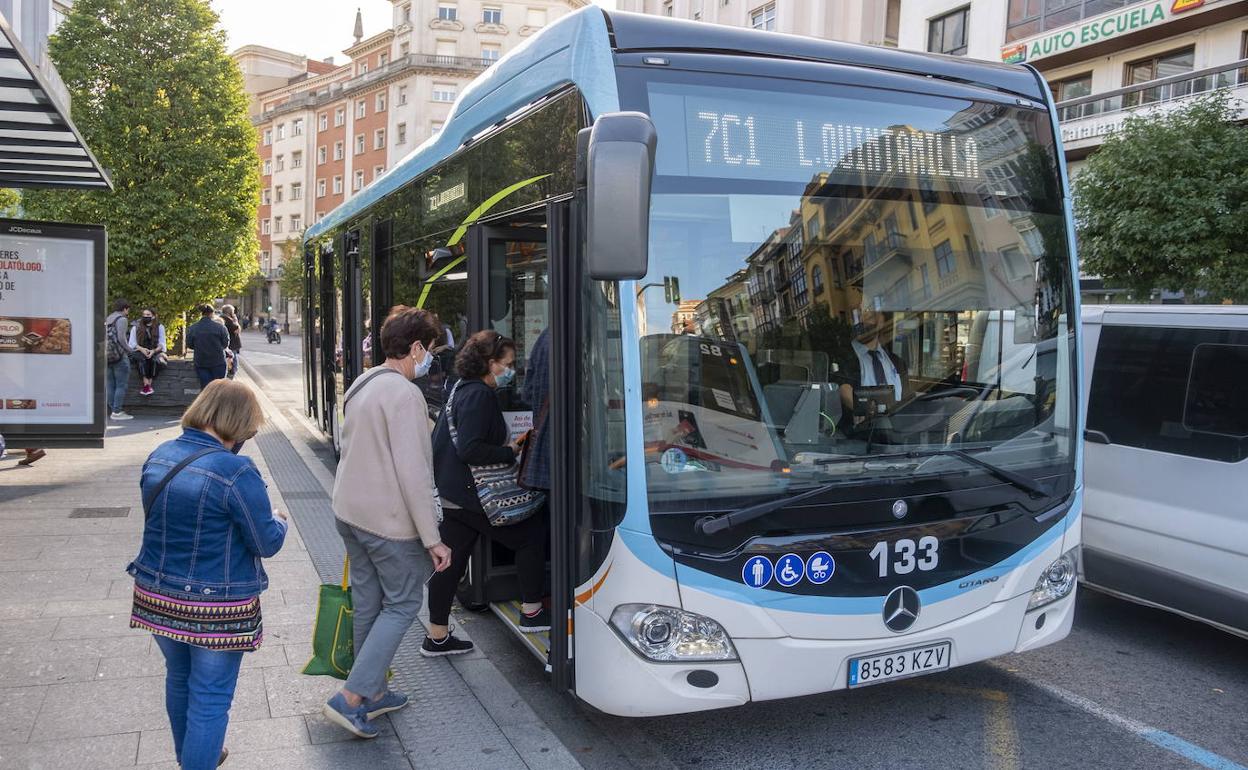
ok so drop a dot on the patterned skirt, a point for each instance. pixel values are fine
(222, 625)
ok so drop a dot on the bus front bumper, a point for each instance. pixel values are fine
(612, 677)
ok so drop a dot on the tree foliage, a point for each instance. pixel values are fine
(10, 202)
(1163, 204)
(163, 107)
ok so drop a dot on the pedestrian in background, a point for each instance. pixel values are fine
(484, 363)
(198, 576)
(119, 352)
(387, 510)
(236, 340)
(147, 340)
(210, 341)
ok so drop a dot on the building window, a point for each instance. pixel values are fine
(1160, 66)
(359, 181)
(322, 122)
(491, 53)
(280, 162)
(340, 116)
(446, 50)
(443, 92)
(378, 171)
(361, 109)
(277, 224)
(296, 159)
(947, 34)
(381, 102)
(320, 215)
(447, 12)
(296, 223)
(435, 126)
(492, 15)
(816, 279)
(667, 7)
(322, 154)
(536, 17)
(945, 262)
(406, 14)
(1072, 87)
(383, 59)
(266, 227)
(281, 131)
(926, 281)
(296, 191)
(337, 185)
(320, 188)
(279, 193)
(296, 127)
(266, 197)
(400, 134)
(268, 167)
(359, 144)
(339, 151)
(363, 68)
(405, 49)
(1025, 18)
(402, 95)
(762, 18)
(268, 137)
(379, 139)
(264, 260)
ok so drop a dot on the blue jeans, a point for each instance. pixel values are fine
(117, 378)
(387, 588)
(207, 374)
(199, 687)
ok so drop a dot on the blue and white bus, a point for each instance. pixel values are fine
(815, 354)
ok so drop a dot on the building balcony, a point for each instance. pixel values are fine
(1086, 121)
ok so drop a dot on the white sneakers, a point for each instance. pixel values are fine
(121, 416)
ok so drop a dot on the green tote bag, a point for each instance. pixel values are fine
(333, 644)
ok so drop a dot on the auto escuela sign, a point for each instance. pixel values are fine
(1103, 27)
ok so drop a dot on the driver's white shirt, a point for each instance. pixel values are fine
(868, 369)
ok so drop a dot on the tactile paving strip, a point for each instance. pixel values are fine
(450, 707)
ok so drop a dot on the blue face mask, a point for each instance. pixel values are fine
(423, 366)
(505, 378)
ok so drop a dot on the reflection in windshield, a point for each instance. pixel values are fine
(873, 311)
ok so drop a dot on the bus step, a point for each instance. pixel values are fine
(509, 612)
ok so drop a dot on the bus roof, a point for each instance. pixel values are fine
(578, 50)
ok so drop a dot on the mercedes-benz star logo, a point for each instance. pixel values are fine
(900, 509)
(901, 608)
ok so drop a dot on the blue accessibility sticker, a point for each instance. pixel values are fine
(789, 569)
(820, 567)
(757, 571)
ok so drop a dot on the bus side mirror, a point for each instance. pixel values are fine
(619, 166)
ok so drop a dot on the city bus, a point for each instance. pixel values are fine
(815, 359)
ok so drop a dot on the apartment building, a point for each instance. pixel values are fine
(326, 131)
(874, 22)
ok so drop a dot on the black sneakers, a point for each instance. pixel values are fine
(448, 646)
(539, 621)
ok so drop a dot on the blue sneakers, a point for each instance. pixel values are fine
(355, 719)
(391, 701)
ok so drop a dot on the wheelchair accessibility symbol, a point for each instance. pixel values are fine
(789, 570)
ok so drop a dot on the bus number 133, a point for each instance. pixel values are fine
(926, 551)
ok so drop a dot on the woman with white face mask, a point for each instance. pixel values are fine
(387, 509)
(485, 363)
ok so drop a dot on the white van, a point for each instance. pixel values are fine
(1165, 519)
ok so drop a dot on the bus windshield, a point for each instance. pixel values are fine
(838, 273)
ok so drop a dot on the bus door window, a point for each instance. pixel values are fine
(519, 308)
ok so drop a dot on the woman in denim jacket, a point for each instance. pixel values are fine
(198, 576)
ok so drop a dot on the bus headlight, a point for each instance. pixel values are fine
(670, 635)
(1056, 582)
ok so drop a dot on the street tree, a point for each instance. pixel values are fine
(1163, 204)
(163, 107)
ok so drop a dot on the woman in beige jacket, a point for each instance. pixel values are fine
(387, 510)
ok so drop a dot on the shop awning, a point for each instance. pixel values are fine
(39, 144)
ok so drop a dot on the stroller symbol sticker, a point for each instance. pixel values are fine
(820, 567)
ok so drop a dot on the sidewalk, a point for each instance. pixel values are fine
(80, 689)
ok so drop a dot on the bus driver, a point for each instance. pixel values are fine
(874, 379)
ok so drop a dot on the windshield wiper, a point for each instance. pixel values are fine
(710, 525)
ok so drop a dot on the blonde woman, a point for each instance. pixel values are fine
(198, 577)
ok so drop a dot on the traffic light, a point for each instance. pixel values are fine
(671, 289)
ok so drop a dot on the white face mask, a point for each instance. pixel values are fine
(423, 366)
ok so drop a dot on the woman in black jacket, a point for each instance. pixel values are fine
(484, 363)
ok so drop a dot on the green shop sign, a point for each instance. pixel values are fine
(1113, 25)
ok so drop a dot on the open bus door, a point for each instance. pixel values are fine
(519, 288)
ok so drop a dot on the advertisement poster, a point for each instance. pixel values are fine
(51, 326)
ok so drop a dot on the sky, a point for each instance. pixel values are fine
(315, 28)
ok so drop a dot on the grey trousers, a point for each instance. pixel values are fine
(387, 588)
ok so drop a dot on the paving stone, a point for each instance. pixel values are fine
(150, 663)
(16, 587)
(94, 626)
(321, 730)
(270, 654)
(506, 706)
(103, 708)
(382, 753)
(21, 611)
(18, 709)
(291, 693)
(539, 747)
(255, 735)
(72, 754)
(43, 670)
(76, 608)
